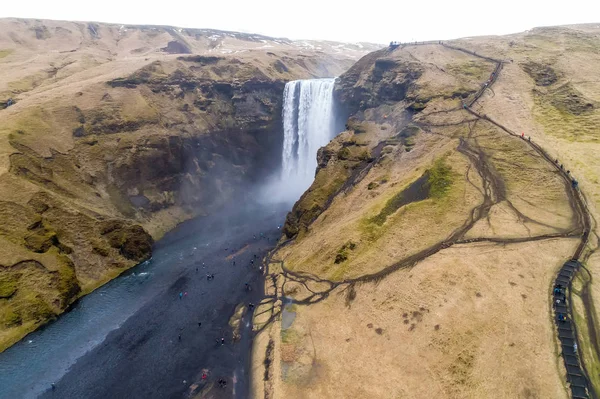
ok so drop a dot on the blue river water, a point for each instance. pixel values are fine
(44, 356)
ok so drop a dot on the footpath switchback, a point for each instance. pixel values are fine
(576, 375)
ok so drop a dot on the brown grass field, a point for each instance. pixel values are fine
(471, 320)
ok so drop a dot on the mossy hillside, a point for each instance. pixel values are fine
(439, 186)
(327, 182)
(340, 159)
(446, 209)
(38, 295)
(426, 93)
(148, 74)
(473, 69)
(458, 81)
(577, 41)
(439, 179)
(567, 115)
(435, 216)
(35, 120)
(5, 53)
(52, 235)
(434, 183)
(8, 285)
(128, 113)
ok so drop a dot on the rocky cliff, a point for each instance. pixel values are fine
(129, 135)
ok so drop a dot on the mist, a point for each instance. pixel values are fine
(308, 124)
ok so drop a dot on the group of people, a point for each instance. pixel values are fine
(560, 297)
(394, 44)
(574, 182)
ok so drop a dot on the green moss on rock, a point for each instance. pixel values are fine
(9, 319)
(8, 285)
(41, 241)
(343, 253)
(68, 287)
(133, 242)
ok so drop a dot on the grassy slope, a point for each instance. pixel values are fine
(482, 289)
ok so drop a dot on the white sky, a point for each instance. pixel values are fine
(377, 21)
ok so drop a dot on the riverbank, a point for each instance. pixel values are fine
(123, 339)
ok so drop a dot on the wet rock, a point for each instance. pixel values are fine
(133, 242)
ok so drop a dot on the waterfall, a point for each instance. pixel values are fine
(307, 126)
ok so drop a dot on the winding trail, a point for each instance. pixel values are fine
(566, 329)
(493, 193)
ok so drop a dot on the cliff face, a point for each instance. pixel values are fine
(117, 146)
(377, 78)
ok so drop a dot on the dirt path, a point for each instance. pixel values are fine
(493, 193)
(567, 330)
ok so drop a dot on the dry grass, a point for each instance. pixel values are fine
(472, 321)
(465, 323)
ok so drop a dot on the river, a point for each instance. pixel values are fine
(122, 340)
